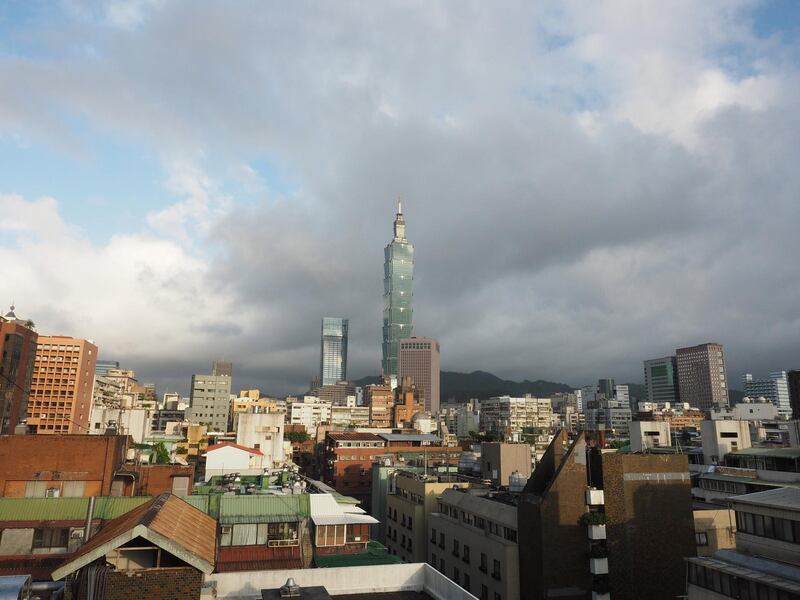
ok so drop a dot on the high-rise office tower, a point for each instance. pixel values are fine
(398, 275)
(702, 379)
(104, 366)
(661, 380)
(61, 386)
(419, 359)
(210, 398)
(793, 378)
(17, 355)
(775, 389)
(606, 387)
(333, 351)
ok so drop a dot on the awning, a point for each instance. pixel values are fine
(346, 519)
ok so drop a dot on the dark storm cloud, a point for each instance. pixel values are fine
(585, 188)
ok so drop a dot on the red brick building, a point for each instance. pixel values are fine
(82, 465)
(348, 463)
(348, 458)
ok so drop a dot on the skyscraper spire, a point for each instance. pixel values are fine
(399, 222)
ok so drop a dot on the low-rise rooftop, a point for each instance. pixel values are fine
(787, 498)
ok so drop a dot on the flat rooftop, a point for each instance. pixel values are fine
(784, 498)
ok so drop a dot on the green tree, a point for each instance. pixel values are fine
(297, 436)
(161, 454)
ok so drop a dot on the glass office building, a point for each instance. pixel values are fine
(333, 351)
(661, 380)
(398, 277)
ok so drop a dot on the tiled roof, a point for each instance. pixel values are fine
(232, 445)
(354, 436)
(167, 521)
(66, 509)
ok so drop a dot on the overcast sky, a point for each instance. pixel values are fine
(587, 184)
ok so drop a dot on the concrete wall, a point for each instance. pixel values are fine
(498, 461)
(715, 446)
(342, 580)
(649, 434)
(16, 541)
(719, 526)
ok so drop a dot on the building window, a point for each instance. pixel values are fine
(496, 570)
(50, 538)
(456, 574)
(441, 541)
(497, 596)
(433, 535)
(466, 581)
(483, 566)
(465, 554)
(484, 592)
(701, 538)
(455, 548)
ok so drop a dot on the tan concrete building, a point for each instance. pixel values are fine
(702, 378)
(472, 539)
(499, 461)
(380, 400)
(61, 385)
(714, 529)
(407, 403)
(419, 359)
(412, 497)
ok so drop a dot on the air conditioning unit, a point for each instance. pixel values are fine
(225, 529)
(76, 534)
(52, 493)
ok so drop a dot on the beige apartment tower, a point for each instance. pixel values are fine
(61, 386)
(419, 359)
(702, 378)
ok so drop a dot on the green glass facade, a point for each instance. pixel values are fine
(398, 278)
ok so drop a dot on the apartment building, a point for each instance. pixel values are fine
(507, 417)
(309, 412)
(380, 400)
(61, 385)
(412, 497)
(17, 356)
(472, 539)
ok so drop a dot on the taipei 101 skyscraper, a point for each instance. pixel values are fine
(398, 279)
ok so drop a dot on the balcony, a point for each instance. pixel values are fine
(594, 497)
(597, 532)
(598, 566)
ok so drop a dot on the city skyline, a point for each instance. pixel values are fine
(572, 216)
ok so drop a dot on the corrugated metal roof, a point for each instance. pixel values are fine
(113, 507)
(263, 509)
(787, 497)
(66, 509)
(199, 502)
(353, 436)
(43, 509)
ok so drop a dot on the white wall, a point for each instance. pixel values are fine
(265, 432)
(641, 442)
(230, 460)
(342, 580)
(715, 446)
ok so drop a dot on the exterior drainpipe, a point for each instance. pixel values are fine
(87, 531)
